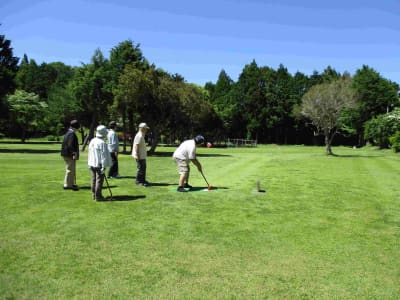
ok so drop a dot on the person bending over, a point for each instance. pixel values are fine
(183, 155)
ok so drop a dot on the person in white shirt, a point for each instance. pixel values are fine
(113, 147)
(183, 155)
(98, 160)
(139, 152)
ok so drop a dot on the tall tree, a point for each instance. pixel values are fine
(220, 98)
(27, 110)
(251, 85)
(323, 104)
(91, 86)
(285, 101)
(62, 108)
(127, 53)
(131, 95)
(376, 95)
(8, 70)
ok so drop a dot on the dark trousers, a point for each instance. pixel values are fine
(113, 172)
(97, 182)
(141, 171)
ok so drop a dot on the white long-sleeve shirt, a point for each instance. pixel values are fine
(98, 154)
(113, 142)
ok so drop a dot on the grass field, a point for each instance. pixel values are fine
(326, 228)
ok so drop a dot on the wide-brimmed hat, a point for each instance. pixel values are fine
(112, 124)
(101, 131)
(143, 125)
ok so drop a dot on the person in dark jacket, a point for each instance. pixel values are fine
(70, 153)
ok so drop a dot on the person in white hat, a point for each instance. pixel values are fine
(139, 152)
(98, 160)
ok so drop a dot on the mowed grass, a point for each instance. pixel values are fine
(326, 228)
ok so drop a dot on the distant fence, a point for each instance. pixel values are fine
(241, 143)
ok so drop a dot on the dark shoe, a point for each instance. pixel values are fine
(187, 186)
(100, 198)
(181, 189)
(74, 188)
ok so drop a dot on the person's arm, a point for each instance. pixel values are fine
(197, 164)
(73, 146)
(136, 149)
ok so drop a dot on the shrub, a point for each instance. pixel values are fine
(395, 141)
(379, 129)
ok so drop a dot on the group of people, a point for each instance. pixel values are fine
(103, 153)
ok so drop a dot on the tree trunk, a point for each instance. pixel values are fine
(23, 135)
(154, 140)
(361, 140)
(93, 124)
(124, 130)
(328, 141)
(328, 147)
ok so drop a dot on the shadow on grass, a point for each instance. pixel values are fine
(30, 151)
(86, 187)
(30, 143)
(204, 188)
(169, 154)
(160, 184)
(354, 155)
(123, 198)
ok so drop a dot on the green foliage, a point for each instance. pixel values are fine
(27, 110)
(8, 67)
(263, 104)
(92, 86)
(62, 108)
(395, 141)
(379, 129)
(376, 95)
(8, 71)
(40, 79)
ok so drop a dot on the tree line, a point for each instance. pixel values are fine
(265, 104)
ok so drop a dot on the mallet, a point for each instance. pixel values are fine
(209, 187)
(109, 189)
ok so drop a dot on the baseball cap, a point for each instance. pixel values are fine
(199, 139)
(143, 125)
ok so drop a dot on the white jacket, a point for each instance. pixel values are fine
(98, 154)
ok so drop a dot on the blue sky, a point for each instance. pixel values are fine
(198, 39)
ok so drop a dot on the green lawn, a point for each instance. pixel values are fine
(326, 228)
